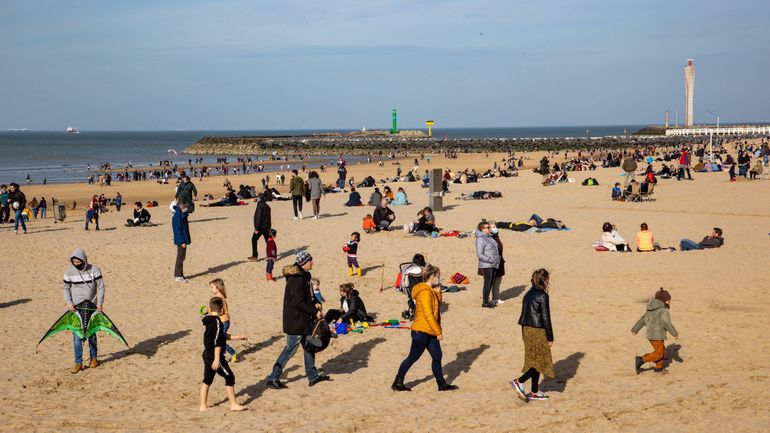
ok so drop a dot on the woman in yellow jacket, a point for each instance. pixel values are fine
(426, 329)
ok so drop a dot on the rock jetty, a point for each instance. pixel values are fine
(383, 143)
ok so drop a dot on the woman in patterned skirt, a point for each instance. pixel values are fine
(537, 333)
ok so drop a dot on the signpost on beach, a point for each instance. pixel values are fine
(435, 190)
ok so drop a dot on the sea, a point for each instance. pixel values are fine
(58, 156)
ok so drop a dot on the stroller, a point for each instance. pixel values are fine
(410, 274)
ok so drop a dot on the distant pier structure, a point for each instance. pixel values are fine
(724, 130)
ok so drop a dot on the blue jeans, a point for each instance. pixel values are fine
(92, 214)
(42, 212)
(687, 244)
(292, 343)
(420, 342)
(225, 327)
(18, 219)
(77, 344)
(536, 218)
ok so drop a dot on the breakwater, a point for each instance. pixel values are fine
(363, 144)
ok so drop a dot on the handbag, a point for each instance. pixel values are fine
(319, 339)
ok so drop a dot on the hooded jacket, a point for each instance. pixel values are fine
(81, 285)
(181, 227)
(657, 319)
(427, 313)
(297, 186)
(487, 251)
(298, 302)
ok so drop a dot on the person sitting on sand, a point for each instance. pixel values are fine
(383, 216)
(400, 199)
(388, 194)
(714, 240)
(612, 240)
(375, 198)
(757, 170)
(665, 172)
(354, 199)
(141, 216)
(230, 200)
(426, 222)
(617, 193)
(351, 307)
(645, 241)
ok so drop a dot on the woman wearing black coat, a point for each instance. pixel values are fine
(537, 333)
(351, 307)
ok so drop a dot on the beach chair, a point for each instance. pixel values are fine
(647, 196)
(635, 194)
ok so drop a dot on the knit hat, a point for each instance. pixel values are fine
(662, 295)
(302, 258)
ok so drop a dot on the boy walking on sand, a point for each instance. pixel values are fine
(658, 322)
(271, 253)
(214, 340)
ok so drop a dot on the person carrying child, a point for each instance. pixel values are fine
(658, 321)
(214, 340)
(271, 253)
(351, 249)
(218, 289)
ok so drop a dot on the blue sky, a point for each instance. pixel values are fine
(290, 64)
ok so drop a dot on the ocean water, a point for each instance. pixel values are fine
(61, 157)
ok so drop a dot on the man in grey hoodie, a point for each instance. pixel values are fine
(489, 260)
(83, 281)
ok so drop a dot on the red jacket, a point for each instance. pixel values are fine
(272, 250)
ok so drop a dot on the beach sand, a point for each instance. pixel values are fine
(719, 372)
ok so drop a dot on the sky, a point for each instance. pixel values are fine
(311, 64)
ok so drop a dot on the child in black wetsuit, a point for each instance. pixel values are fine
(214, 362)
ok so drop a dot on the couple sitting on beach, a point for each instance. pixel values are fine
(645, 241)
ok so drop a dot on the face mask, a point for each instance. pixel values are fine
(493, 230)
(81, 266)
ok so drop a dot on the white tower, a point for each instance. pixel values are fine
(689, 89)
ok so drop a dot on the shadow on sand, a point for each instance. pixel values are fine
(512, 292)
(149, 347)
(461, 364)
(14, 302)
(354, 359)
(565, 370)
(291, 252)
(216, 269)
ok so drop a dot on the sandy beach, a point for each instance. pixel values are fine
(718, 368)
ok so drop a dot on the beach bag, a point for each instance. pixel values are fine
(458, 278)
(319, 339)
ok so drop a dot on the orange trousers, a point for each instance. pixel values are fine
(658, 353)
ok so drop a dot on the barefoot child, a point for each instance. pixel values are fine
(272, 253)
(658, 321)
(214, 338)
(352, 251)
(218, 290)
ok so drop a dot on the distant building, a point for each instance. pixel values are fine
(689, 89)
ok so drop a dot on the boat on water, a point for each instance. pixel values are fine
(71, 130)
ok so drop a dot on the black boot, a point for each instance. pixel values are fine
(443, 386)
(398, 385)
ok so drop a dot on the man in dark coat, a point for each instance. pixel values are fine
(262, 225)
(300, 310)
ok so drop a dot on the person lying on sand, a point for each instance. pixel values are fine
(713, 240)
(533, 221)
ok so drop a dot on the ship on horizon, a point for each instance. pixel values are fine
(71, 130)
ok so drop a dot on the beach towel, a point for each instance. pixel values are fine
(458, 278)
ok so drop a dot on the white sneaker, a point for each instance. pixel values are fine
(295, 218)
(499, 301)
(315, 217)
(537, 396)
(300, 215)
(180, 279)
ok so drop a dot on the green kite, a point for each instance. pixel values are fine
(84, 322)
